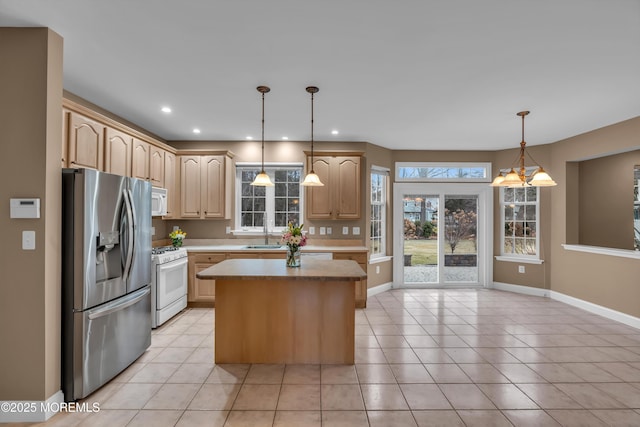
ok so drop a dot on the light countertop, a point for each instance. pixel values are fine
(243, 248)
(276, 269)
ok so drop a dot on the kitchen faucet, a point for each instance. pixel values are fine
(266, 229)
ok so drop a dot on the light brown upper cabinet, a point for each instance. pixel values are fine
(140, 159)
(170, 183)
(65, 133)
(117, 153)
(339, 198)
(86, 142)
(206, 188)
(156, 166)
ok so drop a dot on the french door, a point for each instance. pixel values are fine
(442, 234)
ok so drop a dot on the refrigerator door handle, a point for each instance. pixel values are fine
(129, 236)
(121, 304)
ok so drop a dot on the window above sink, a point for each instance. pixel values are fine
(283, 203)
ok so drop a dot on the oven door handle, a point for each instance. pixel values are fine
(172, 264)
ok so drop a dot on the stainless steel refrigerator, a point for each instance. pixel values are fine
(106, 277)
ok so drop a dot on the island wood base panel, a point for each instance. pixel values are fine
(284, 321)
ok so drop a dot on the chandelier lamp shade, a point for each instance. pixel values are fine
(312, 179)
(519, 178)
(262, 179)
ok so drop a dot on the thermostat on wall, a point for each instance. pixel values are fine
(25, 208)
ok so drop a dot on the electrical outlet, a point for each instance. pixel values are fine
(329, 230)
(345, 230)
(312, 230)
(323, 231)
(356, 231)
(521, 269)
(377, 269)
(153, 231)
(228, 230)
(176, 228)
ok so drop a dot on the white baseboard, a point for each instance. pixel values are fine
(576, 302)
(597, 309)
(519, 289)
(379, 289)
(30, 411)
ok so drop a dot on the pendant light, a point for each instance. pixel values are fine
(539, 178)
(262, 179)
(312, 179)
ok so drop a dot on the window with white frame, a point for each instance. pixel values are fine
(443, 172)
(520, 222)
(281, 203)
(379, 178)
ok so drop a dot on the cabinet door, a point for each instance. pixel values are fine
(213, 186)
(318, 203)
(65, 137)
(140, 160)
(156, 166)
(190, 186)
(170, 182)
(117, 153)
(347, 186)
(202, 290)
(86, 142)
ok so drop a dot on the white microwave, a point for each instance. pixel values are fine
(158, 201)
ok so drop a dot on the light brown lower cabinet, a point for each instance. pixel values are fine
(202, 292)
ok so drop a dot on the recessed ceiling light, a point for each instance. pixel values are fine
(196, 130)
(334, 132)
(166, 109)
(249, 137)
(285, 137)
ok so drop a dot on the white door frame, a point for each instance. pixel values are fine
(485, 224)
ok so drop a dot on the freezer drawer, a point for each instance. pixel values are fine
(108, 338)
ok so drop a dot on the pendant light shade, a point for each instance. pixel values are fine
(312, 179)
(540, 178)
(262, 179)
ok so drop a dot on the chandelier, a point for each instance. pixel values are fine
(539, 178)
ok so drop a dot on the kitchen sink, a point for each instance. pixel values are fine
(264, 246)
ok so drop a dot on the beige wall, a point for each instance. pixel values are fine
(535, 275)
(30, 141)
(600, 279)
(605, 213)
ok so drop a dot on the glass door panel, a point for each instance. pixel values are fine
(460, 239)
(420, 244)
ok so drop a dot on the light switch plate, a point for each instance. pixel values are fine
(356, 231)
(345, 230)
(228, 230)
(312, 230)
(323, 231)
(153, 231)
(329, 230)
(28, 240)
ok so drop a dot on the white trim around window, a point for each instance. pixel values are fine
(379, 202)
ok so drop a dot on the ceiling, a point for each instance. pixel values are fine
(404, 74)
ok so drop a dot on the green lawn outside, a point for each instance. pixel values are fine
(424, 252)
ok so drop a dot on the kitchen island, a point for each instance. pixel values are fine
(269, 313)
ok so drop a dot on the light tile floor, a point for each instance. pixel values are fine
(463, 357)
